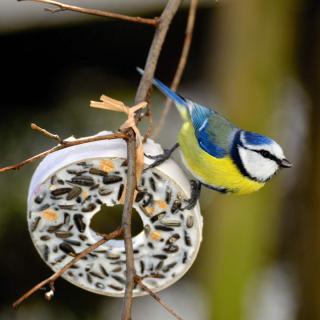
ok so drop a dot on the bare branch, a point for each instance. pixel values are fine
(46, 133)
(64, 144)
(155, 49)
(126, 224)
(100, 13)
(155, 296)
(58, 274)
(181, 64)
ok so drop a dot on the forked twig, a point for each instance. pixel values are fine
(62, 145)
(181, 65)
(58, 274)
(100, 13)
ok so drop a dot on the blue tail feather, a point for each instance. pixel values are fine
(167, 91)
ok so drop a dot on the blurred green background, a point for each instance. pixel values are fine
(255, 61)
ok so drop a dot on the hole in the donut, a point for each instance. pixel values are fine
(108, 219)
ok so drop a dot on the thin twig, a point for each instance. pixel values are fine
(58, 274)
(66, 7)
(155, 296)
(181, 65)
(46, 133)
(126, 224)
(64, 144)
(155, 49)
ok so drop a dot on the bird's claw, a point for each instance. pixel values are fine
(195, 194)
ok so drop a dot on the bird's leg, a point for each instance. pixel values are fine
(195, 194)
(160, 158)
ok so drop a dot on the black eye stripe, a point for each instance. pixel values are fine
(266, 154)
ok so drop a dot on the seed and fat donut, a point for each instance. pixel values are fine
(68, 189)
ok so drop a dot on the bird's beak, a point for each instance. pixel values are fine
(285, 163)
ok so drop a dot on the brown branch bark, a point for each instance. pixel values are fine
(64, 144)
(155, 296)
(100, 13)
(182, 63)
(51, 280)
(126, 224)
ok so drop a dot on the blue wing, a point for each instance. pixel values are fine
(214, 133)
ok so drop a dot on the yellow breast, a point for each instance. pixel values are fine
(218, 173)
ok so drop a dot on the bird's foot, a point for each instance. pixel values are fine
(195, 194)
(161, 158)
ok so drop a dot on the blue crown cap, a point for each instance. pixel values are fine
(256, 138)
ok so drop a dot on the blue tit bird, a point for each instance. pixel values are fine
(218, 154)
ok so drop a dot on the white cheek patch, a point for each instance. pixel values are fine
(256, 165)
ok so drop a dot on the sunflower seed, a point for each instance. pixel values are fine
(115, 287)
(163, 228)
(169, 266)
(63, 234)
(34, 224)
(86, 181)
(45, 238)
(54, 228)
(171, 248)
(152, 184)
(187, 239)
(90, 207)
(110, 179)
(73, 193)
(173, 238)
(190, 221)
(104, 192)
(158, 216)
(119, 279)
(66, 248)
(98, 172)
(60, 191)
(171, 223)
(38, 199)
(160, 256)
(100, 285)
(103, 270)
(120, 191)
(78, 219)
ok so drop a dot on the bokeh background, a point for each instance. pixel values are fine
(255, 61)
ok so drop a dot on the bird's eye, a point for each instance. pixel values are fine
(265, 153)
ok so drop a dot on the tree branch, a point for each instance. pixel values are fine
(100, 13)
(58, 274)
(64, 144)
(182, 63)
(155, 296)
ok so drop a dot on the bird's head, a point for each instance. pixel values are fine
(258, 156)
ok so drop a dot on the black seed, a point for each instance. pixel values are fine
(100, 285)
(63, 234)
(173, 238)
(78, 220)
(117, 269)
(184, 259)
(66, 248)
(121, 188)
(44, 207)
(78, 200)
(82, 237)
(104, 192)
(93, 255)
(115, 287)
(89, 208)
(73, 193)
(73, 242)
(103, 270)
(160, 256)
(171, 248)
(70, 273)
(60, 181)
(86, 181)
(89, 278)
(74, 267)
(60, 191)
(136, 251)
(147, 199)
(98, 172)
(34, 224)
(97, 275)
(66, 206)
(54, 228)
(76, 172)
(98, 201)
(46, 251)
(139, 196)
(142, 266)
(150, 245)
(168, 195)
(66, 218)
(157, 176)
(159, 265)
(61, 258)
(163, 228)
(55, 249)
(119, 279)
(111, 179)
(152, 184)
(176, 206)
(190, 221)
(158, 216)
(157, 275)
(94, 187)
(39, 198)
(45, 238)
(187, 239)
(169, 266)
(143, 181)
